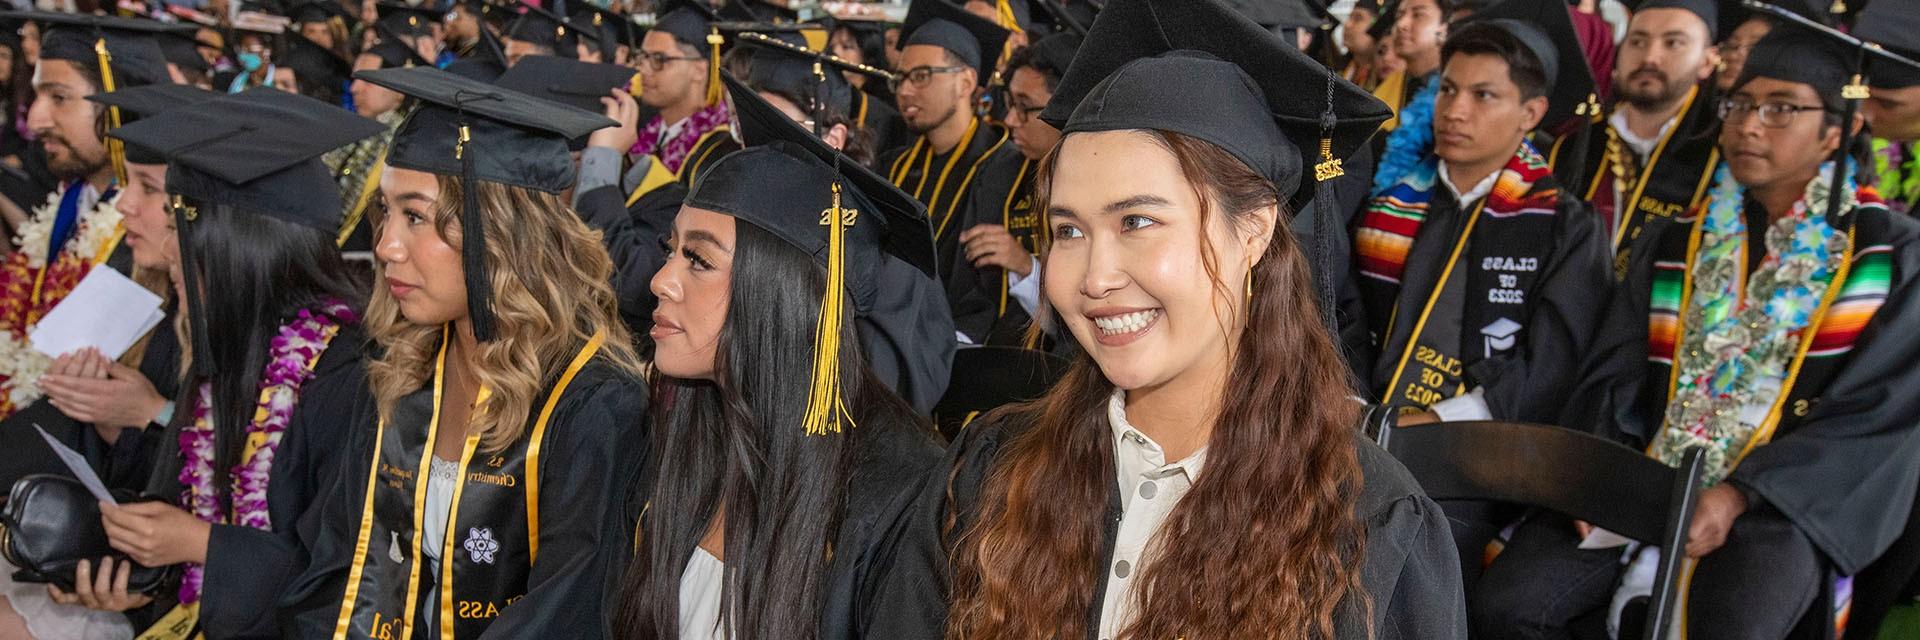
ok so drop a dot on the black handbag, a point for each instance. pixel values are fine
(51, 523)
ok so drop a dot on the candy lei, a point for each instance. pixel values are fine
(294, 352)
(22, 272)
(1741, 340)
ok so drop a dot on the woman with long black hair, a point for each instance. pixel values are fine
(781, 457)
(273, 353)
(1199, 472)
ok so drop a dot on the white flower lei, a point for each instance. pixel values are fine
(94, 228)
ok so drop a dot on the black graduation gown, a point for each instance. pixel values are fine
(634, 235)
(1411, 570)
(890, 464)
(882, 122)
(1562, 308)
(1002, 195)
(592, 442)
(944, 182)
(1849, 423)
(710, 149)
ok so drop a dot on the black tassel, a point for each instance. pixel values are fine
(1323, 216)
(473, 249)
(1573, 172)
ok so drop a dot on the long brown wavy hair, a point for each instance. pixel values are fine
(1266, 544)
(552, 291)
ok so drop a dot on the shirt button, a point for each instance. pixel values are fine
(1121, 569)
(1148, 490)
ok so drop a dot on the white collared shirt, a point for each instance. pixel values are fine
(1642, 147)
(1480, 189)
(1149, 489)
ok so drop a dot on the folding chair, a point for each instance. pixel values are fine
(1575, 474)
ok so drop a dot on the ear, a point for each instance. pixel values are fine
(1257, 234)
(1709, 65)
(1534, 109)
(836, 137)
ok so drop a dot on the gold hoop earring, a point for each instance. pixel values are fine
(1249, 283)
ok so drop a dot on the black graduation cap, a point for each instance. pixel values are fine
(133, 50)
(1388, 11)
(975, 40)
(477, 131)
(256, 153)
(756, 11)
(327, 11)
(614, 27)
(567, 81)
(787, 182)
(1546, 30)
(395, 52)
(689, 21)
(547, 29)
(1708, 10)
(1198, 68)
(405, 19)
(486, 61)
(1277, 14)
(311, 61)
(1055, 17)
(1895, 26)
(780, 66)
(150, 100)
(180, 45)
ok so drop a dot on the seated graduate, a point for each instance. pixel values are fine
(1481, 277)
(105, 409)
(680, 77)
(275, 351)
(1198, 472)
(1002, 231)
(1769, 329)
(507, 397)
(782, 458)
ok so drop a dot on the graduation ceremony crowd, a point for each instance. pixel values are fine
(1008, 319)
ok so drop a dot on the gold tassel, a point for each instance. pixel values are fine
(714, 89)
(825, 404)
(1004, 10)
(116, 151)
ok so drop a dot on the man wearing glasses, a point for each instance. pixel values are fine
(947, 55)
(1649, 159)
(1002, 228)
(678, 77)
(1774, 337)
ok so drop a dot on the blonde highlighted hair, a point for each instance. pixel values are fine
(552, 292)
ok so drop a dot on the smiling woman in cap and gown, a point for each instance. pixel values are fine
(508, 408)
(1199, 471)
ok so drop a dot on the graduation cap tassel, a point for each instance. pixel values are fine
(819, 101)
(1855, 91)
(714, 90)
(473, 247)
(824, 410)
(183, 219)
(1328, 168)
(116, 150)
(1573, 154)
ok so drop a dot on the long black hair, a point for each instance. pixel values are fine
(739, 443)
(247, 274)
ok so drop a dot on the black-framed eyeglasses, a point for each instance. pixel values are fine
(1026, 113)
(1772, 114)
(919, 76)
(658, 61)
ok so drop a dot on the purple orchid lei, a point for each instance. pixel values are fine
(294, 352)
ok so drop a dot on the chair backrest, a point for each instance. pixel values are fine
(985, 378)
(1579, 475)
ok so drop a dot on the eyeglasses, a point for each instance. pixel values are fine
(1025, 112)
(1772, 114)
(919, 76)
(658, 61)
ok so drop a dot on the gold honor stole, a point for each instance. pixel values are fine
(1023, 223)
(493, 531)
(940, 210)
